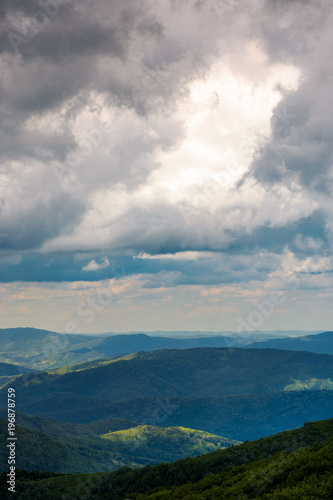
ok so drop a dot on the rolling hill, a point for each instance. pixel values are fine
(69, 448)
(207, 372)
(9, 371)
(41, 349)
(32, 340)
(68, 432)
(290, 465)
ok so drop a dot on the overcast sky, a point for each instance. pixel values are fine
(166, 165)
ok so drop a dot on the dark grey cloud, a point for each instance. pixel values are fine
(302, 132)
(42, 216)
(58, 31)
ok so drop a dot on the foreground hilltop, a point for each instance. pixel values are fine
(290, 465)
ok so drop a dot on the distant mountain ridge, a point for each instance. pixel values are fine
(321, 343)
(42, 349)
(191, 334)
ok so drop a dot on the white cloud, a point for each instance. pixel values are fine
(95, 266)
(175, 256)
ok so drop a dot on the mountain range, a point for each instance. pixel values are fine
(137, 399)
(237, 393)
(41, 349)
(206, 372)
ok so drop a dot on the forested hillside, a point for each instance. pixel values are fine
(107, 445)
(291, 465)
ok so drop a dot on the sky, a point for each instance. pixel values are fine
(166, 165)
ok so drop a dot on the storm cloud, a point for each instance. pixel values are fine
(136, 130)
